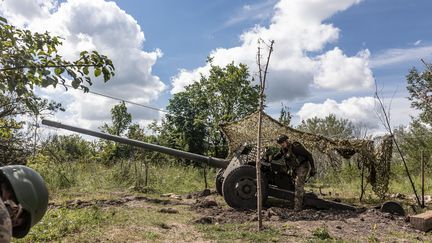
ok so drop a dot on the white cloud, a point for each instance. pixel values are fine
(182, 79)
(300, 36)
(258, 11)
(21, 12)
(94, 25)
(360, 110)
(337, 71)
(400, 55)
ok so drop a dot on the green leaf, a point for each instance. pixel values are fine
(106, 74)
(75, 83)
(97, 72)
(3, 20)
(58, 71)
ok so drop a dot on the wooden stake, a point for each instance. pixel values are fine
(258, 170)
(422, 178)
(260, 111)
(362, 188)
(385, 119)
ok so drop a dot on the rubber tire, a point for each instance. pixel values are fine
(219, 181)
(228, 188)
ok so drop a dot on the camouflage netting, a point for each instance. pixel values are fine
(375, 159)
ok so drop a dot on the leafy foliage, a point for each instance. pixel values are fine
(415, 140)
(330, 126)
(227, 94)
(14, 139)
(120, 118)
(420, 89)
(68, 148)
(120, 122)
(13, 149)
(285, 116)
(58, 174)
(30, 59)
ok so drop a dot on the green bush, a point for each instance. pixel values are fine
(56, 175)
(68, 148)
(321, 233)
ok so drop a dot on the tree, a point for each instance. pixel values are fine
(142, 157)
(187, 126)
(68, 148)
(29, 60)
(226, 95)
(330, 126)
(13, 147)
(121, 119)
(418, 136)
(415, 140)
(420, 90)
(285, 116)
(15, 142)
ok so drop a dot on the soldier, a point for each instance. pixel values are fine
(300, 162)
(24, 201)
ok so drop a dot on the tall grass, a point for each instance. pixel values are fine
(89, 177)
(346, 182)
(92, 176)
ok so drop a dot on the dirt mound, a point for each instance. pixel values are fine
(200, 194)
(228, 215)
(211, 212)
(113, 202)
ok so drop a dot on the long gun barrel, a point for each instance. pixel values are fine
(214, 162)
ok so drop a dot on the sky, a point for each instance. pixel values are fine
(328, 54)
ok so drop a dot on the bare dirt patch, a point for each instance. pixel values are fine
(369, 225)
(78, 203)
(208, 208)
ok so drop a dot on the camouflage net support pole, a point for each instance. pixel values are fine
(258, 169)
(422, 179)
(260, 115)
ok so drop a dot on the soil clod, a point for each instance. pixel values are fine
(169, 210)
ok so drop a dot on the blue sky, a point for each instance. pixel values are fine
(187, 37)
(326, 52)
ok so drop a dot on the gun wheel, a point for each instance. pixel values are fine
(219, 181)
(240, 188)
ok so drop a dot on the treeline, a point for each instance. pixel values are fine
(227, 94)
(29, 60)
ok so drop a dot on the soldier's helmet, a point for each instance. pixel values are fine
(30, 192)
(281, 138)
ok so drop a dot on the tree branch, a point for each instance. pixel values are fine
(49, 66)
(386, 122)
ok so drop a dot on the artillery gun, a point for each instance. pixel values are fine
(236, 179)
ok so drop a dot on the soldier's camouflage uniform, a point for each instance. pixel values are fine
(5, 224)
(301, 163)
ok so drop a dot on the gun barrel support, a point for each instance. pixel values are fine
(214, 162)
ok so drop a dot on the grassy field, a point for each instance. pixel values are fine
(95, 187)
